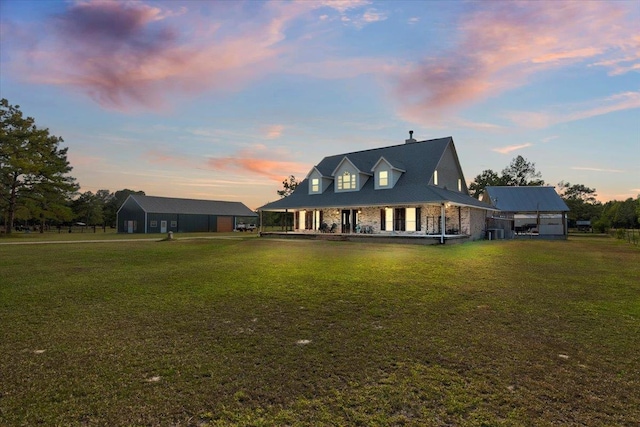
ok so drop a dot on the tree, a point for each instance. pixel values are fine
(577, 192)
(486, 178)
(625, 216)
(114, 202)
(581, 201)
(521, 173)
(288, 186)
(33, 169)
(619, 214)
(88, 208)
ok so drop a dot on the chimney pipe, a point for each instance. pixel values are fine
(410, 140)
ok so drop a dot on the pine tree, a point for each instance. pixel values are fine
(33, 169)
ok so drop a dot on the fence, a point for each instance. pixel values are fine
(629, 235)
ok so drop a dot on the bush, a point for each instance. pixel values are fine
(601, 226)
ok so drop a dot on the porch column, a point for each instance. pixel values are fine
(442, 223)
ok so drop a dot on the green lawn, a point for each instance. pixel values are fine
(262, 332)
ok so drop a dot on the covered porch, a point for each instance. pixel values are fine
(423, 224)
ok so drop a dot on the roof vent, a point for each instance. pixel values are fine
(410, 140)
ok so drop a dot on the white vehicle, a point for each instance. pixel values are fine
(241, 226)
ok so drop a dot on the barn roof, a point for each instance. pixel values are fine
(418, 160)
(526, 199)
(152, 204)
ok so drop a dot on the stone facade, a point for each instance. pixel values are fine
(459, 220)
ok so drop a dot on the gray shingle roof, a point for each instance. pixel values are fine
(151, 204)
(418, 160)
(526, 199)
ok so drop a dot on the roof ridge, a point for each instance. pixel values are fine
(389, 146)
(183, 198)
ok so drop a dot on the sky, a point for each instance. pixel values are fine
(222, 100)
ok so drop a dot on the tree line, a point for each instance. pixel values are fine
(580, 199)
(37, 190)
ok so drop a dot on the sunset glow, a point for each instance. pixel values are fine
(224, 100)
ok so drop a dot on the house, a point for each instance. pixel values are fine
(415, 191)
(535, 211)
(148, 214)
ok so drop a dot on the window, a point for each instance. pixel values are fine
(386, 219)
(435, 177)
(413, 219)
(174, 224)
(301, 219)
(347, 181)
(315, 185)
(309, 217)
(153, 224)
(317, 217)
(383, 179)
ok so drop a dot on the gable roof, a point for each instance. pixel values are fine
(526, 199)
(381, 160)
(169, 205)
(346, 159)
(417, 159)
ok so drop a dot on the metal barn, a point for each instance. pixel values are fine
(149, 214)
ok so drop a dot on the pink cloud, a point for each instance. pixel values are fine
(592, 169)
(274, 131)
(343, 6)
(569, 113)
(510, 148)
(128, 55)
(503, 44)
(253, 162)
(163, 158)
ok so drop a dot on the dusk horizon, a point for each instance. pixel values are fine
(225, 100)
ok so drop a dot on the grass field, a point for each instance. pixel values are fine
(259, 332)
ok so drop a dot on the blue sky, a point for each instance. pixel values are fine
(223, 100)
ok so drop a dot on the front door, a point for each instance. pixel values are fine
(163, 226)
(349, 220)
(129, 227)
(346, 221)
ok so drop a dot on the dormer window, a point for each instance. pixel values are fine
(347, 181)
(315, 185)
(383, 179)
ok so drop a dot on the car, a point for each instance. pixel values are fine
(241, 226)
